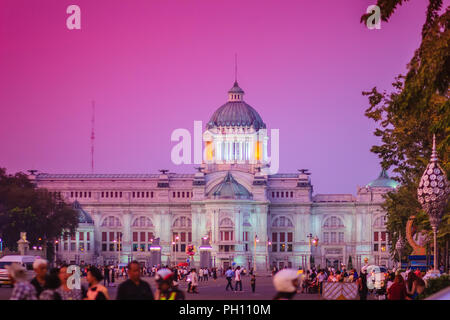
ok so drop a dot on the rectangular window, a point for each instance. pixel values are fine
(326, 237)
(333, 237)
(227, 236)
(246, 247)
(88, 246)
(151, 194)
(274, 247)
(375, 236)
(290, 237)
(88, 236)
(81, 246)
(72, 237)
(111, 236)
(135, 247)
(90, 194)
(375, 247)
(104, 236)
(65, 246)
(282, 237)
(292, 194)
(383, 236)
(150, 236)
(274, 237)
(146, 195)
(183, 236)
(289, 248)
(282, 247)
(107, 194)
(104, 247)
(189, 237)
(72, 246)
(103, 194)
(111, 247)
(120, 194)
(142, 236)
(81, 236)
(142, 247)
(341, 237)
(71, 194)
(183, 247)
(134, 194)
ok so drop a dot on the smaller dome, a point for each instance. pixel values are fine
(83, 216)
(229, 188)
(383, 181)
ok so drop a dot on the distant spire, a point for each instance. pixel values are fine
(434, 156)
(235, 68)
(92, 136)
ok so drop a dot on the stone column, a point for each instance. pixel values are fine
(126, 237)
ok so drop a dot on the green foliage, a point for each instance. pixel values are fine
(407, 118)
(435, 285)
(24, 208)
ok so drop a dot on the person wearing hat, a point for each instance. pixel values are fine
(286, 283)
(23, 290)
(167, 286)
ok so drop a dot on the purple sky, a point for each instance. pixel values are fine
(156, 65)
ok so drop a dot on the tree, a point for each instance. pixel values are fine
(407, 117)
(25, 208)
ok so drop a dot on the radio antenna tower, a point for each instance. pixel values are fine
(92, 136)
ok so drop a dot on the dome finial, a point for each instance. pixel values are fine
(434, 156)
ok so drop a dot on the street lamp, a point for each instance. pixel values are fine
(432, 193)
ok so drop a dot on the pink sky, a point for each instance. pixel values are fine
(156, 65)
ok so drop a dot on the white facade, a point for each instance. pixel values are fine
(230, 203)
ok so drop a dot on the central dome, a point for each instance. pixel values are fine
(236, 112)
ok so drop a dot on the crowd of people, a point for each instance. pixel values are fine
(57, 284)
(392, 285)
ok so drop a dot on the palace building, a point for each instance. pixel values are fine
(230, 211)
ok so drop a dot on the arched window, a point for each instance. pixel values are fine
(142, 239)
(333, 222)
(182, 222)
(282, 222)
(226, 222)
(111, 222)
(111, 239)
(282, 240)
(142, 222)
(181, 235)
(334, 232)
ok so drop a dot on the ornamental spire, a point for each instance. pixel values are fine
(434, 156)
